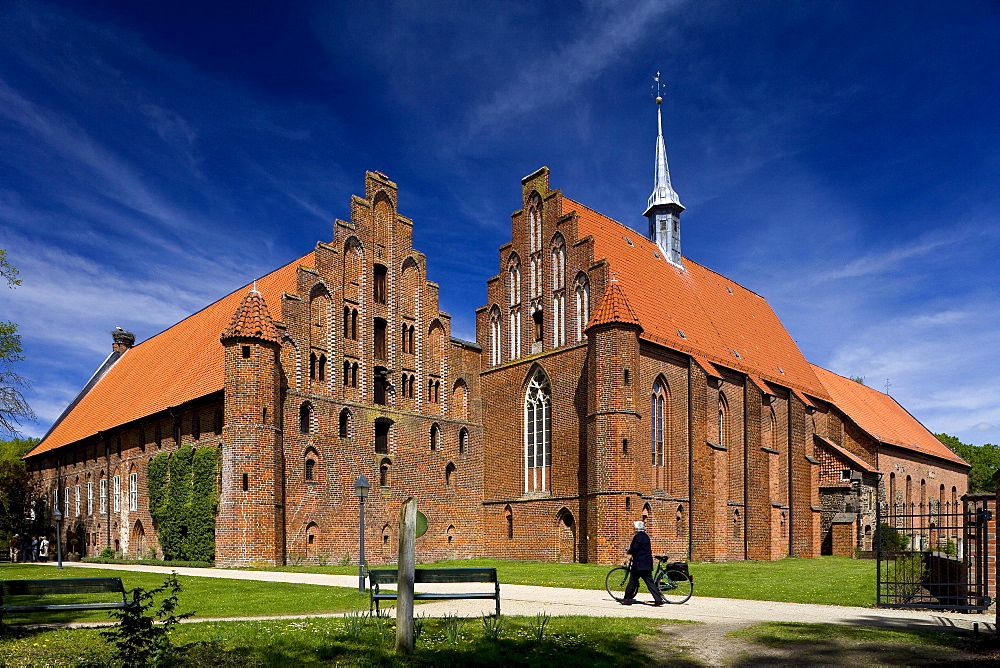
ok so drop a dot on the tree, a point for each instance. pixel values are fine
(13, 407)
(985, 460)
(17, 491)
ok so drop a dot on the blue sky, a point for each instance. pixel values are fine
(841, 159)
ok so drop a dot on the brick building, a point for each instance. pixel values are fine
(613, 379)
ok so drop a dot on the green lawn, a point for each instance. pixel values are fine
(206, 596)
(353, 642)
(827, 580)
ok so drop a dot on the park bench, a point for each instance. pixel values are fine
(383, 576)
(44, 589)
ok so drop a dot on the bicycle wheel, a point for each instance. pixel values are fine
(616, 581)
(676, 587)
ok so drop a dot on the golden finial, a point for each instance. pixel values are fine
(657, 89)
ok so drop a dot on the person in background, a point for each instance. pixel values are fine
(43, 548)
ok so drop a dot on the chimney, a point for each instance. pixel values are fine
(121, 340)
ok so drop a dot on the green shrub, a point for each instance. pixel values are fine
(140, 638)
(890, 540)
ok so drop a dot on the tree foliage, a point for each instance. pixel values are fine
(985, 460)
(183, 499)
(17, 491)
(141, 636)
(13, 407)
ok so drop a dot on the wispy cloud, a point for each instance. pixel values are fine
(607, 34)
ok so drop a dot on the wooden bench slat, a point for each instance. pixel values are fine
(61, 586)
(380, 576)
(57, 607)
(10, 589)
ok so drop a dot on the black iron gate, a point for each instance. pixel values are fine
(934, 557)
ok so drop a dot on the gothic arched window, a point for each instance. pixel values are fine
(582, 292)
(495, 340)
(656, 413)
(537, 433)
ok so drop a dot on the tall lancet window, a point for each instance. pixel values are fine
(558, 291)
(514, 293)
(535, 222)
(495, 339)
(514, 280)
(659, 413)
(582, 291)
(537, 433)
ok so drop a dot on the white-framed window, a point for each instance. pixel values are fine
(133, 491)
(515, 333)
(90, 497)
(104, 496)
(656, 413)
(558, 263)
(514, 280)
(558, 320)
(76, 501)
(495, 339)
(55, 498)
(116, 493)
(537, 433)
(66, 501)
(582, 291)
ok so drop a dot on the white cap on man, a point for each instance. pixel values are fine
(639, 525)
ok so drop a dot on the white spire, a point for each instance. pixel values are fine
(663, 192)
(664, 205)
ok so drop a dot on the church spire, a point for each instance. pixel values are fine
(664, 206)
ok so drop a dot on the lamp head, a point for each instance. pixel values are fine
(361, 487)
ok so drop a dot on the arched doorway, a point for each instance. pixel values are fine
(137, 540)
(566, 537)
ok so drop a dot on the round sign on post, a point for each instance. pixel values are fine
(421, 524)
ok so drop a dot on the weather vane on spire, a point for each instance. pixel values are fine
(658, 89)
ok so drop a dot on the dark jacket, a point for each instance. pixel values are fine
(642, 553)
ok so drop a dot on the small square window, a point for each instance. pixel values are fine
(845, 474)
(246, 352)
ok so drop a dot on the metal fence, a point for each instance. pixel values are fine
(933, 556)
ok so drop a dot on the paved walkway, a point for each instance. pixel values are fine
(530, 600)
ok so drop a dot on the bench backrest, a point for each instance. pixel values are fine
(60, 586)
(425, 575)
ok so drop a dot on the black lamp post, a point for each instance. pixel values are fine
(58, 517)
(361, 488)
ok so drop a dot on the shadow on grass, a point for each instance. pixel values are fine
(795, 644)
(507, 653)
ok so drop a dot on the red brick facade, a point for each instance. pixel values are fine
(571, 417)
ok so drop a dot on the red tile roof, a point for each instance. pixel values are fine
(614, 307)
(720, 320)
(175, 366)
(252, 321)
(883, 418)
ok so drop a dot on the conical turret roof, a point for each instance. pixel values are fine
(614, 307)
(252, 321)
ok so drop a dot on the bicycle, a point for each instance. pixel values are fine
(675, 582)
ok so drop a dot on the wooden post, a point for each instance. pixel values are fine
(404, 586)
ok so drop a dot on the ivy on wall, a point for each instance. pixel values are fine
(183, 499)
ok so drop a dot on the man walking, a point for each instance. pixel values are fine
(642, 567)
(15, 548)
